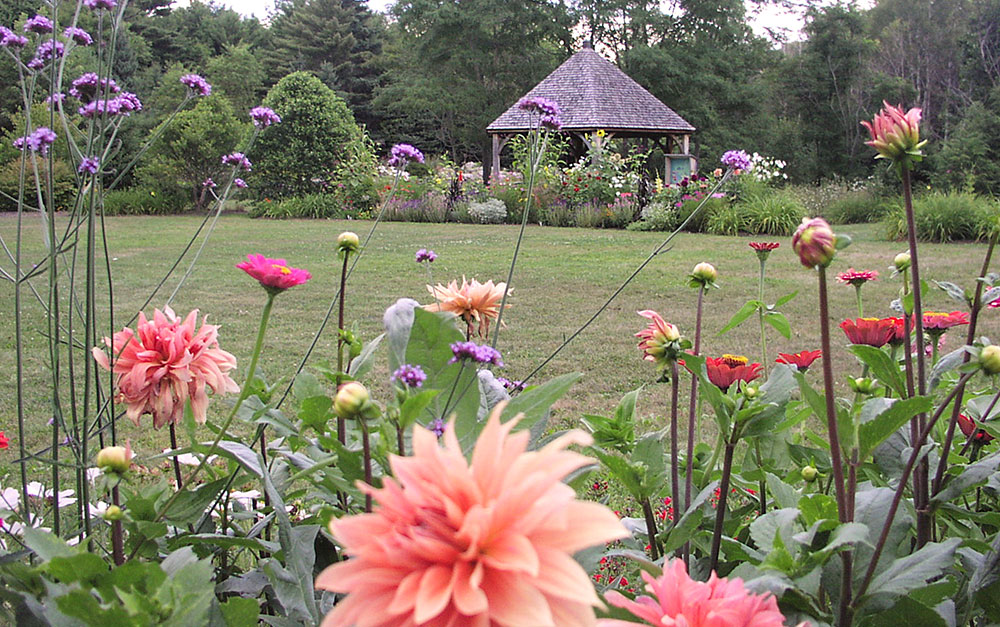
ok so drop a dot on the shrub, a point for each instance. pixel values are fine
(139, 201)
(615, 215)
(489, 211)
(431, 208)
(308, 206)
(657, 216)
(699, 222)
(729, 220)
(856, 207)
(771, 213)
(64, 181)
(559, 212)
(945, 218)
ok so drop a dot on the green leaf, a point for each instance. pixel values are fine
(79, 567)
(816, 401)
(915, 570)
(877, 430)
(984, 583)
(191, 504)
(907, 611)
(882, 367)
(240, 453)
(239, 611)
(766, 529)
(745, 312)
(972, 474)
(954, 292)
(779, 322)
(786, 298)
(47, 546)
(413, 406)
(946, 363)
(225, 541)
(690, 522)
(783, 494)
(535, 402)
(361, 364)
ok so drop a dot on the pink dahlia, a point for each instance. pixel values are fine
(166, 363)
(660, 340)
(481, 542)
(275, 275)
(681, 601)
(473, 302)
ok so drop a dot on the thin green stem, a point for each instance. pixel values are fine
(760, 317)
(675, 482)
(341, 423)
(861, 309)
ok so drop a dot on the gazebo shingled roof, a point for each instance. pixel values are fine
(594, 94)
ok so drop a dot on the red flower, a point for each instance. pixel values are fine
(968, 426)
(4, 441)
(871, 331)
(899, 331)
(801, 360)
(938, 321)
(275, 275)
(768, 246)
(857, 277)
(728, 369)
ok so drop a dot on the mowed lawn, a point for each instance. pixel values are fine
(563, 276)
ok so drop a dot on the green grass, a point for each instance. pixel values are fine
(563, 276)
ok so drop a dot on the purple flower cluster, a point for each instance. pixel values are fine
(551, 122)
(511, 386)
(47, 50)
(736, 159)
(264, 116)
(537, 104)
(90, 85)
(410, 376)
(39, 141)
(197, 84)
(38, 24)
(78, 35)
(479, 354)
(208, 183)
(401, 154)
(10, 39)
(426, 255)
(55, 99)
(100, 4)
(89, 164)
(240, 183)
(238, 159)
(123, 104)
(437, 426)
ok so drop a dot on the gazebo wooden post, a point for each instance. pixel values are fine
(499, 141)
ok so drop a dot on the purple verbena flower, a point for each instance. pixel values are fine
(551, 122)
(237, 159)
(89, 86)
(426, 255)
(78, 35)
(89, 164)
(46, 51)
(128, 103)
(736, 159)
(511, 386)
(264, 116)
(463, 350)
(39, 141)
(489, 355)
(55, 99)
(197, 84)
(240, 183)
(401, 154)
(100, 4)
(537, 104)
(10, 39)
(410, 376)
(437, 426)
(38, 24)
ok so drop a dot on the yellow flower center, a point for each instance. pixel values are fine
(734, 360)
(280, 268)
(870, 319)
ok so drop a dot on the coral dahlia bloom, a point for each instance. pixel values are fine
(165, 363)
(939, 321)
(473, 302)
(801, 360)
(728, 369)
(681, 601)
(871, 331)
(275, 275)
(481, 542)
(857, 277)
(659, 341)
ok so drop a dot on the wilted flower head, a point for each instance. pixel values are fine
(401, 154)
(198, 85)
(896, 135)
(264, 116)
(38, 24)
(537, 104)
(166, 363)
(857, 278)
(801, 360)
(870, 331)
(736, 159)
(724, 371)
(814, 243)
(275, 275)
(78, 35)
(473, 302)
(481, 542)
(660, 340)
(680, 601)
(89, 164)
(426, 255)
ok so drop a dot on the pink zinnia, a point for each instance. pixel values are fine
(681, 601)
(940, 321)
(166, 363)
(275, 275)
(482, 542)
(857, 277)
(764, 246)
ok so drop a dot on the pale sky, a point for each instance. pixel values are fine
(770, 17)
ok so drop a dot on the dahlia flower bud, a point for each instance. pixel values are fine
(863, 385)
(353, 401)
(113, 513)
(809, 474)
(750, 392)
(896, 135)
(116, 459)
(902, 262)
(989, 359)
(814, 243)
(348, 242)
(703, 275)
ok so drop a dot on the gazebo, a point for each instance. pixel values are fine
(594, 95)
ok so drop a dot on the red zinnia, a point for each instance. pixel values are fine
(728, 369)
(4, 440)
(871, 331)
(968, 427)
(768, 246)
(857, 277)
(899, 331)
(801, 360)
(938, 321)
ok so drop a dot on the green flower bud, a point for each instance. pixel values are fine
(809, 474)
(116, 459)
(113, 513)
(348, 242)
(352, 401)
(902, 262)
(750, 391)
(863, 385)
(704, 273)
(989, 359)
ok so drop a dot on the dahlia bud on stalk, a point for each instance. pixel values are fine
(704, 274)
(348, 242)
(113, 513)
(809, 474)
(116, 459)
(902, 262)
(814, 243)
(353, 401)
(896, 135)
(989, 359)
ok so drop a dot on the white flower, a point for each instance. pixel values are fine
(189, 459)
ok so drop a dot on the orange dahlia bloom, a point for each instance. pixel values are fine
(482, 542)
(681, 601)
(473, 302)
(166, 363)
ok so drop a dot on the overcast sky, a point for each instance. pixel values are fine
(771, 17)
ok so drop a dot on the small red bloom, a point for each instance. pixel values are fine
(768, 246)
(968, 426)
(274, 274)
(899, 331)
(857, 277)
(728, 369)
(936, 320)
(4, 441)
(801, 360)
(871, 331)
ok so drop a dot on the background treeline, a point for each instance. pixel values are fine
(436, 72)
